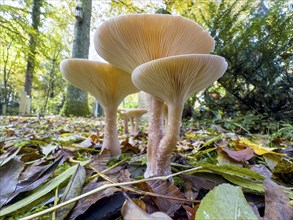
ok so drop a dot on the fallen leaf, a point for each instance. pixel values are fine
(49, 148)
(168, 188)
(224, 159)
(9, 174)
(11, 153)
(225, 202)
(263, 170)
(84, 204)
(41, 191)
(72, 190)
(272, 160)
(257, 149)
(285, 166)
(276, 202)
(288, 151)
(34, 176)
(202, 182)
(131, 211)
(245, 183)
(233, 171)
(190, 212)
(239, 155)
(89, 142)
(101, 160)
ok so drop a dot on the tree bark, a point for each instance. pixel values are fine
(30, 67)
(76, 102)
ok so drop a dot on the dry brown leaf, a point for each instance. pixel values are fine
(84, 204)
(276, 202)
(168, 206)
(190, 212)
(239, 155)
(131, 211)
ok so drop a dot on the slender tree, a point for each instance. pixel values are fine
(76, 102)
(36, 14)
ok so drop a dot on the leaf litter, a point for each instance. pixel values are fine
(50, 160)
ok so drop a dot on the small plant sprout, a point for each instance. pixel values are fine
(174, 79)
(108, 84)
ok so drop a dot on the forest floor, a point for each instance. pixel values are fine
(218, 173)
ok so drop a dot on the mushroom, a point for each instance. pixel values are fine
(108, 84)
(133, 115)
(174, 79)
(128, 41)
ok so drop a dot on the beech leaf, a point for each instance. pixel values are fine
(239, 155)
(225, 202)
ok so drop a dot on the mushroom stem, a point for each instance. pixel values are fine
(160, 163)
(111, 140)
(125, 121)
(136, 125)
(155, 130)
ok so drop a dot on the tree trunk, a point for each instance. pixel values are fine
(76, 102)
(36, 12)
(50, 83)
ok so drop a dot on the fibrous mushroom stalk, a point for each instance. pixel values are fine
(111, 140)
(160, 163)
(174, 79)
(155, 130)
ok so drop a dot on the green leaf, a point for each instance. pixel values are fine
(41, 191)
(245, 183)
(225, 202)
(72, 190)
(209, 142)
(233, 171)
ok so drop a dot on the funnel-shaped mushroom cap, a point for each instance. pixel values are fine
(130, 40)
(105, 82)
(174, 79)
(134, 112)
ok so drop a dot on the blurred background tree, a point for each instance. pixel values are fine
(255, 37)
(52, 43)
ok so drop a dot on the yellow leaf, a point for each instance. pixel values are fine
(190, 136)
(257, 149)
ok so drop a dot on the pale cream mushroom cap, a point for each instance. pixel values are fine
(174, 79)
(108, 84)
(130, 40)
(134, 112)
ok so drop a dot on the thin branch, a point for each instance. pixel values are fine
(106, 186)
(141, 191)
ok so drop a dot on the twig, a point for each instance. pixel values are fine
(141, 191)
(105, 187)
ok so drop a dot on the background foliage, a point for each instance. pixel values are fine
(255, 37)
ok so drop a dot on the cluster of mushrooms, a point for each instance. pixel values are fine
(165, 56)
